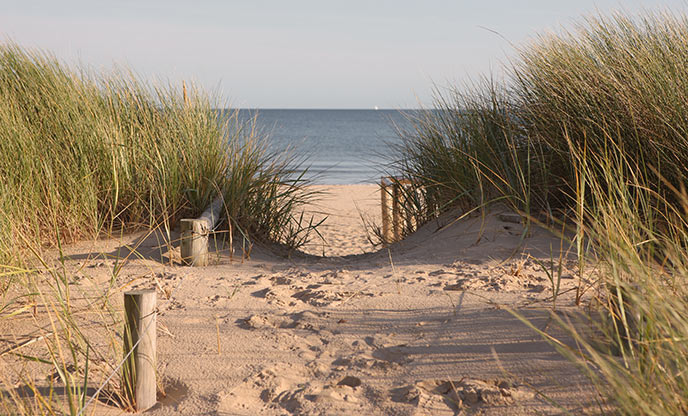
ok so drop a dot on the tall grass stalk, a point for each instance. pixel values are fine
(63, 344)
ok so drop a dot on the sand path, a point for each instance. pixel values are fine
(352, 333)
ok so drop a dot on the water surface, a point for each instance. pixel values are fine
(343, 146)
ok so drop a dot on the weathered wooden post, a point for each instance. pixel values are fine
(140, 387)
(194, 238)
(386, 237)
(396, 215)
(194, 244)
(409, 220)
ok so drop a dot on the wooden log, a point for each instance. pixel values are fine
(213, 213)
(194, 242)
(396, 217)
(384, 205)
(140, 386)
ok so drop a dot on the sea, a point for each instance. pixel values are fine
(338, 146)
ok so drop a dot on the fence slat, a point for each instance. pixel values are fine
(384, 206)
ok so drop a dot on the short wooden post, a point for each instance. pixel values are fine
(386, 237)
(140, 335)
(396, 217)
(194, 242)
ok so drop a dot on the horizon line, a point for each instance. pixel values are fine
(322, 108)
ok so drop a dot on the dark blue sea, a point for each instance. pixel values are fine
(342, 146)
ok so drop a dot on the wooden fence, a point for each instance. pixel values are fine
(397, 206)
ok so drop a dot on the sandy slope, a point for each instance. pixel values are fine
(426, 333)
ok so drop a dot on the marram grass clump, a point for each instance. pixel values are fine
(591, 129)
(640, 357)
(84, 154)
(614, 84)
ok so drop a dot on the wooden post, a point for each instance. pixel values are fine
(194, 244)
(194, 240)
(396, 218)
(139, 368)
(409, 223)
(386, 238)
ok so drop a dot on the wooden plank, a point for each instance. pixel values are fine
(510, 217)
(409, 220)
(402, 222)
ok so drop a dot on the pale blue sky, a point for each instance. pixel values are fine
(298, 54)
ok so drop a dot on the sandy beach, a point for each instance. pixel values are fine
(325, 208)
(421, 328)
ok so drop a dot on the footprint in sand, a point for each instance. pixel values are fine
(373, 354)
(216, 300)
(293, 389)
(363, 362)
(170, 305)
(263, 321)
(318, 295)
(281, 280)
(394, 354)
(450, 396)
(308, 320)
(279, 296)
(288, 286)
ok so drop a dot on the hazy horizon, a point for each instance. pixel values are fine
(301, 54)
(322, 109)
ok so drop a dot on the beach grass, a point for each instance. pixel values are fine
(469, 152)
(638, 353)
(85, 155)
(590, 129)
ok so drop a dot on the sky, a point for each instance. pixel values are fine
(300, 54)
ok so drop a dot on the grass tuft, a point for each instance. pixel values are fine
(84, 155)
